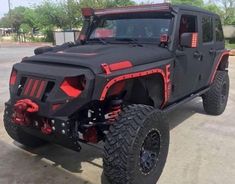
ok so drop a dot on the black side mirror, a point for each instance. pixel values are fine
(189, 40)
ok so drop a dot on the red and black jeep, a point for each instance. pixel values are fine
(128, 68)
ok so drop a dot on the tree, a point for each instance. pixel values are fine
(198, 3)
(118, 3)
(105, 3)
(228, 7)
(73, 13)
(5, 21)
(17, 17)
(14, 18)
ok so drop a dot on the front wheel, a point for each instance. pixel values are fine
(136, 147)
(215, 100)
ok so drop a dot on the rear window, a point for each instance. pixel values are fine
(218, 30)
(207, 29)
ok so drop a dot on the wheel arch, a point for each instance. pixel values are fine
(148, 90)
(221, 64)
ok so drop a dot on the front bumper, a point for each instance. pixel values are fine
(62, 128)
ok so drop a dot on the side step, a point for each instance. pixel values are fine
(184, 100)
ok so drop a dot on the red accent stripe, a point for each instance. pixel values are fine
(217, 65)
(106, 68)
(168, 79)
(120, 65)
(41, 87)
(28, 86)
(34, 88)
(116, 66)
(13, 77)
(165, 76)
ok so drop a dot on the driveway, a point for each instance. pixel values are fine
(202, 147)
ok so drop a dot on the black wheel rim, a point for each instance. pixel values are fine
(224, 93)
(149, 152)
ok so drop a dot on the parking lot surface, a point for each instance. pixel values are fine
(202, 147)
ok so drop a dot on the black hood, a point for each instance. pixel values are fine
(93, 55)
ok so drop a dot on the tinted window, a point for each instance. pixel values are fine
(139, 28)
(207, 29)
(188, 24)
(219, 30)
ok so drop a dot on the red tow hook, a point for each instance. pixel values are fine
(22, 109)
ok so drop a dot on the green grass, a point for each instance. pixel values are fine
(230, 46)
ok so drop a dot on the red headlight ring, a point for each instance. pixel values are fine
(13, 77)
(73, 86)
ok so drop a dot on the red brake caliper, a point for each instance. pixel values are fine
(22, 109)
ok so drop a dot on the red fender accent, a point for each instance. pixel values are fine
(217, 65)
(165, 75)
(108, 69)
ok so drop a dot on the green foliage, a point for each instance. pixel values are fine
(5, 21)
(198, 3)
(16, 17)
(25, 28)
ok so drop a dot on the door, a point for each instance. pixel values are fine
(206, 48)
(188, 64)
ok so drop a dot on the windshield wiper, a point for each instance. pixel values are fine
(100, 40)
(130, 40)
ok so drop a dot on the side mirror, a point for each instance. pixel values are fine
(189, 40)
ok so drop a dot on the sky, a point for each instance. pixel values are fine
(14, 3)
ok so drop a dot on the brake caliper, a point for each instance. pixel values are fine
(22, 110)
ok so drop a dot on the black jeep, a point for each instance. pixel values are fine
(129, 67)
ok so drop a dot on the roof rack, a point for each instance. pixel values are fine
(128, 9)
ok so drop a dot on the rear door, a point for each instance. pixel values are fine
(206, 48)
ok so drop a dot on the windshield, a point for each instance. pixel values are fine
(139, 29)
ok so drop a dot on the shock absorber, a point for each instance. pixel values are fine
(114, 110)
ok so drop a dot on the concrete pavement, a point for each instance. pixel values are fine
(202, 147)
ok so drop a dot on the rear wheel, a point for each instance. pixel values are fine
(136, 147)
(215, 100)
(19, 135)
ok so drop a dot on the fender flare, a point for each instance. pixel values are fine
(164, 73)
(218, 62)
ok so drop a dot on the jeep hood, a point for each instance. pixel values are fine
(93, 55)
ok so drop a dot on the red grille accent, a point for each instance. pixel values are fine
(34, 87)
(41, 88)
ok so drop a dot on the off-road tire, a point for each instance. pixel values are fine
(19, 135)
(124, 141)
(215, 100)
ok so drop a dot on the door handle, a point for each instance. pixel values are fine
(212, 51)
(198, 55)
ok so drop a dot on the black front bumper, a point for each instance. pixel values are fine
(62, 129)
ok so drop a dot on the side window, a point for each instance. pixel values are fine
(218, 30)
(207, 29)
(188, 24)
